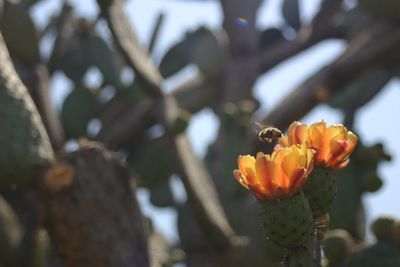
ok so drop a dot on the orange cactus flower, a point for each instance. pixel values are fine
(333, 145)
(278, 175)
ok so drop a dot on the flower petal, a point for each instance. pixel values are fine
(343, 164)
(266, 170)
(290, 163)
(316, 134)
(283, 141)
(297, 133)
(353, 139)
(310, 159)
(240, 178)
(337, 149)
(247, 168)
(299, 177)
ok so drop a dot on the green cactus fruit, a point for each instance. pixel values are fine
(337, 246)
(320, 190)
(383, 228)
(10, 234)
(371, 182)
(288, 221)
(79, 107)
(274, 253)
(23, 140)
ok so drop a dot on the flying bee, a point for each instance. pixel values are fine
(268, 134)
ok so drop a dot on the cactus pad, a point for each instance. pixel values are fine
(320, 190)
(23, 140)
(79, 107)
(337, 245)
(383, 228)
(287, 222)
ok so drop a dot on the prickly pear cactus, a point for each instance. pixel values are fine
(23, 140)
(156, 179)
(201, 47)
(341, 250)
(356, 179)
(380, 254)
(320, 190)
(287, 222)
(385, 252)
(79, 107)
(337, 245)
(383, 228)
(236, 121)
(84, 49)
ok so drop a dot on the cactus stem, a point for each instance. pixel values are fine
(305, 256)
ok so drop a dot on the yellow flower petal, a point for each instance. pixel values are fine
(332, 144)
(316, 134)
(247, 168)
(240, 178)
(266, 171)
(284, 141)
(297, 132)
(279, 175)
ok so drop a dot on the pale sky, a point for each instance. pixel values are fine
(375, 122)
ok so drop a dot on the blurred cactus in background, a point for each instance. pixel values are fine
(342, 250)
(69, 172)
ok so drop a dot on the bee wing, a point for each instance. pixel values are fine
(258, 126)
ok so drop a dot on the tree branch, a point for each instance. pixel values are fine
(196, 93)
(135, 54)
(198, 183)
(362, 53)
(36, 78)
(128, 125)
(206, 206)
(322, 27)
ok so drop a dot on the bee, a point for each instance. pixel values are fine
(268, 134)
